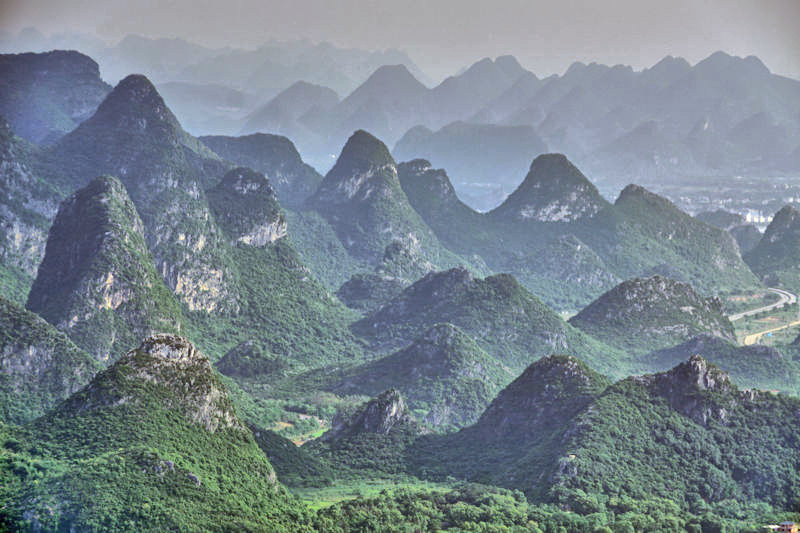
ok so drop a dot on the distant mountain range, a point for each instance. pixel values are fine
(723, 116)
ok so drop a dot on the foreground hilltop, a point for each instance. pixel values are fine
(561, 433)
(151, 426)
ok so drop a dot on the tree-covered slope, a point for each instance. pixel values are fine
(444, 376)
(777, 254)
(504, 319)
(687, 435)
(39, 365)
(97, 282)
(157, 436)
(362, 199)
(645, 314)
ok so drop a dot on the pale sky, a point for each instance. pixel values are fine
(444, 35)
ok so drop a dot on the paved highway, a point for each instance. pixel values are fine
(786, 297)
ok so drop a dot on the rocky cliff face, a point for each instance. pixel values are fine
(246, 207)
(97, 282)
(380, 415)
(39, 366)
(27, 205)
(134, 136)
(553, 191)
(46, 95)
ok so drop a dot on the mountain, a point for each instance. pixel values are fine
(27, 205)
(756, 366)
(285, 113)
(363, 201)
(679, 246)
(246, 207)
(40, 365)
(777, 254)
(458, 97)
(553, 191)
(687, 435)
(43, 96)
(290, 105)
(146, 433)
(370, 438)
(517, 441)
(387, 104)
(746, 235)
(207, 108)
(276, 158)
(444, 375)
(503, 318)
(369, 291)
(134, 136)
(431, 193)
(644, 314)
(483, 153)
(98, 282)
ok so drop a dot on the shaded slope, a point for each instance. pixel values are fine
(27, 206)
(44, 96)
(39, 366)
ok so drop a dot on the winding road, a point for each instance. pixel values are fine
(786, 298)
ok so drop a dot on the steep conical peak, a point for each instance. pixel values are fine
(391, 76)
(549, 391)
(136, 95)
(553, 191)
(361, 152)
(380, 415)
(170, 348)
(166, 371)
(698, 373)
(97, 269)
(510, 66)
(243, 180)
